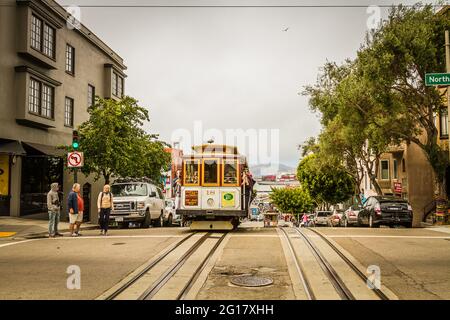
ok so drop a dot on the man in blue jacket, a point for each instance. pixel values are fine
(72, 206)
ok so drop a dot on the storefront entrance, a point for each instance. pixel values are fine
(38, 172)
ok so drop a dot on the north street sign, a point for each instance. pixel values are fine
(437, 79)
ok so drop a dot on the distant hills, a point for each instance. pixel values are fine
(267, 169)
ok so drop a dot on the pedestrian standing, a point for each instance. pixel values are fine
(305, 220)
(104, 205)
(54, 210)
(75, 207)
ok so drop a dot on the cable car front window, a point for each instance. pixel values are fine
(210, 171)
(230, 172)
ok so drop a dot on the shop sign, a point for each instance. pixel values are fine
(398, 187)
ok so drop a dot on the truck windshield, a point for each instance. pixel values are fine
(129, 190)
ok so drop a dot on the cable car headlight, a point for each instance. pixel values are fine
(210, 202)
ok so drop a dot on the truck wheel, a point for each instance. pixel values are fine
(147, 221)
(159, 222)
(169, 221)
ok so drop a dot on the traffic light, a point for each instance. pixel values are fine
(75, 140)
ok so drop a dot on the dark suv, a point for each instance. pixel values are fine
(384, 210)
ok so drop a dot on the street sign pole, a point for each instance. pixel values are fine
(75, 175)
(447, 63)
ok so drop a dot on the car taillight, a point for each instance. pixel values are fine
(377, 209)
(351, 213)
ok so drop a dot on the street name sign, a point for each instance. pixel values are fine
(75, 159)
(437, 79)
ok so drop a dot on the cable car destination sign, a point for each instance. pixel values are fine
(437, 79)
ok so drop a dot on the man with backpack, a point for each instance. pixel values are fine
(104, 205)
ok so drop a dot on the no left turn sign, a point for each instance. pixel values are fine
(75, 159)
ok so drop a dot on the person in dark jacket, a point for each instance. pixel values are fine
(73, 207)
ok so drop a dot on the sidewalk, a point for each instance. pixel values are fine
(33, 226)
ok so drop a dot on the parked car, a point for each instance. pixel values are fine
(137, 201)
(336, 217)
(383, 210)
(170, 215)
(322, 218)
(350, 216)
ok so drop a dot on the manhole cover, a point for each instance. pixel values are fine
(251, 281)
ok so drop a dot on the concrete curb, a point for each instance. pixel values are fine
(41, 235)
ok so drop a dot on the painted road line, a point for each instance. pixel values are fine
(7, 234)
(17, 242)
(373, 236)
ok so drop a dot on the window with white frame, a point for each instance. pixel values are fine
(49, 41)
(68, 112)
(34, 96)
(41, 98)
(70, 59)
(36, 33)
(117, 85)
(384, 169)
(43, 37)
(91, 95)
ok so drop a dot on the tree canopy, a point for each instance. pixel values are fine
(326, 184)
(115, 144)
(291, 200)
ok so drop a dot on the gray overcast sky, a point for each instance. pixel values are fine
(229, 67)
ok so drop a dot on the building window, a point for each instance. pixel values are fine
(384, 168)
(117, 85)
(49, 41)
(42, 37)
(36, 33)
(47, 101)
(70, 59)
(120, 86)
(91, 95)
(395, 169)
(34, 96)
(41, 99)
(68, 112)
(114, 83)
(443, 124)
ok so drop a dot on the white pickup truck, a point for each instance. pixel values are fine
(137, 201)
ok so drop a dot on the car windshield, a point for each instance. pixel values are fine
(323, 214)
(129, 190)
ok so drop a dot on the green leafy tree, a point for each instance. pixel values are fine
(326, 184)
(114, 143)
(394, 60)
(292, 200)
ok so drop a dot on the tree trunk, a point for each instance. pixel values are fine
(373, 180)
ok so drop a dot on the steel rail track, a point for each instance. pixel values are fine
(328, 269)
(363, 277)
(305, 283)
(200, 268)
(167, 275)
(139, 275)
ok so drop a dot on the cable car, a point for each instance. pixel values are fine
(213, 196)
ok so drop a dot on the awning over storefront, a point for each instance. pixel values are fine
(12, 147)
(45, 150)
